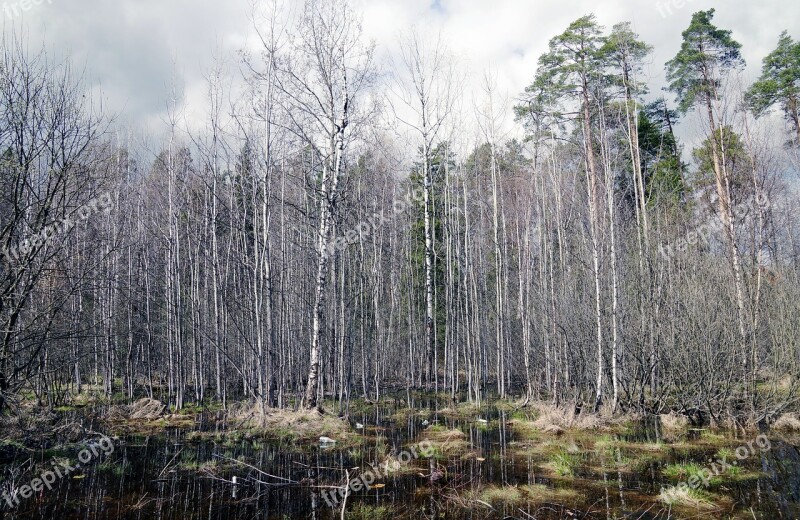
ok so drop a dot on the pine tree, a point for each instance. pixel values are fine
(779, 83)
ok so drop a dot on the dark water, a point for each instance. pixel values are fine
(170, 476)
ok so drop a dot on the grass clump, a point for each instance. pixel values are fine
(692, 472)
(725, 454)
(539, 493)
(713, 438)
(461, 411)
(674, 422)
(445, 443)
(686, 471)
(369, 512)
(684, 496)
(789, 423)
(503, 495)
(564, 464)
(528, 494)
(305, 426)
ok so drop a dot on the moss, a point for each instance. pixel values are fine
(403, 414)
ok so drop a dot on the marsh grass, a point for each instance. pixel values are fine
(504, 495)
(369, 512)
(462, 411)
(564, 463)
(299, 427)
(527, 494)
(444, 442)
(617, 458)
(688, 498)
(690, 471)
(713, 437)
(725, 454)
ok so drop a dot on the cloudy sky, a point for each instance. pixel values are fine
(138, 51)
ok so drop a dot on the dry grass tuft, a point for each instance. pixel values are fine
(788, 422)
(674, 422)
(521, 495)
(684, 496)
(446, 443)
(296, 425)
(555, 421)
(142, 410)
(501, 495)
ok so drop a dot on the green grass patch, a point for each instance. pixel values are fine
(564, 464)
(369, 512)
(688, 472)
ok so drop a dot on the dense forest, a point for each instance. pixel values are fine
(326, 237)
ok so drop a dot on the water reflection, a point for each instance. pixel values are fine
(167, 476)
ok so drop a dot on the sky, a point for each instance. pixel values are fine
(138, 54)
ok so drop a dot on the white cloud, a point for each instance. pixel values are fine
(137, 49)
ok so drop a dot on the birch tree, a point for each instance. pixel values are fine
(425, 89)
(324, 74)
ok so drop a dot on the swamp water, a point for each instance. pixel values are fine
(496, 467)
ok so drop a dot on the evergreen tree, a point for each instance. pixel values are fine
(779, 83)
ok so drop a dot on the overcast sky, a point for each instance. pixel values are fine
(136, 50)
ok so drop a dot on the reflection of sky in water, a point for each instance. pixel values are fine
(170, 477)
